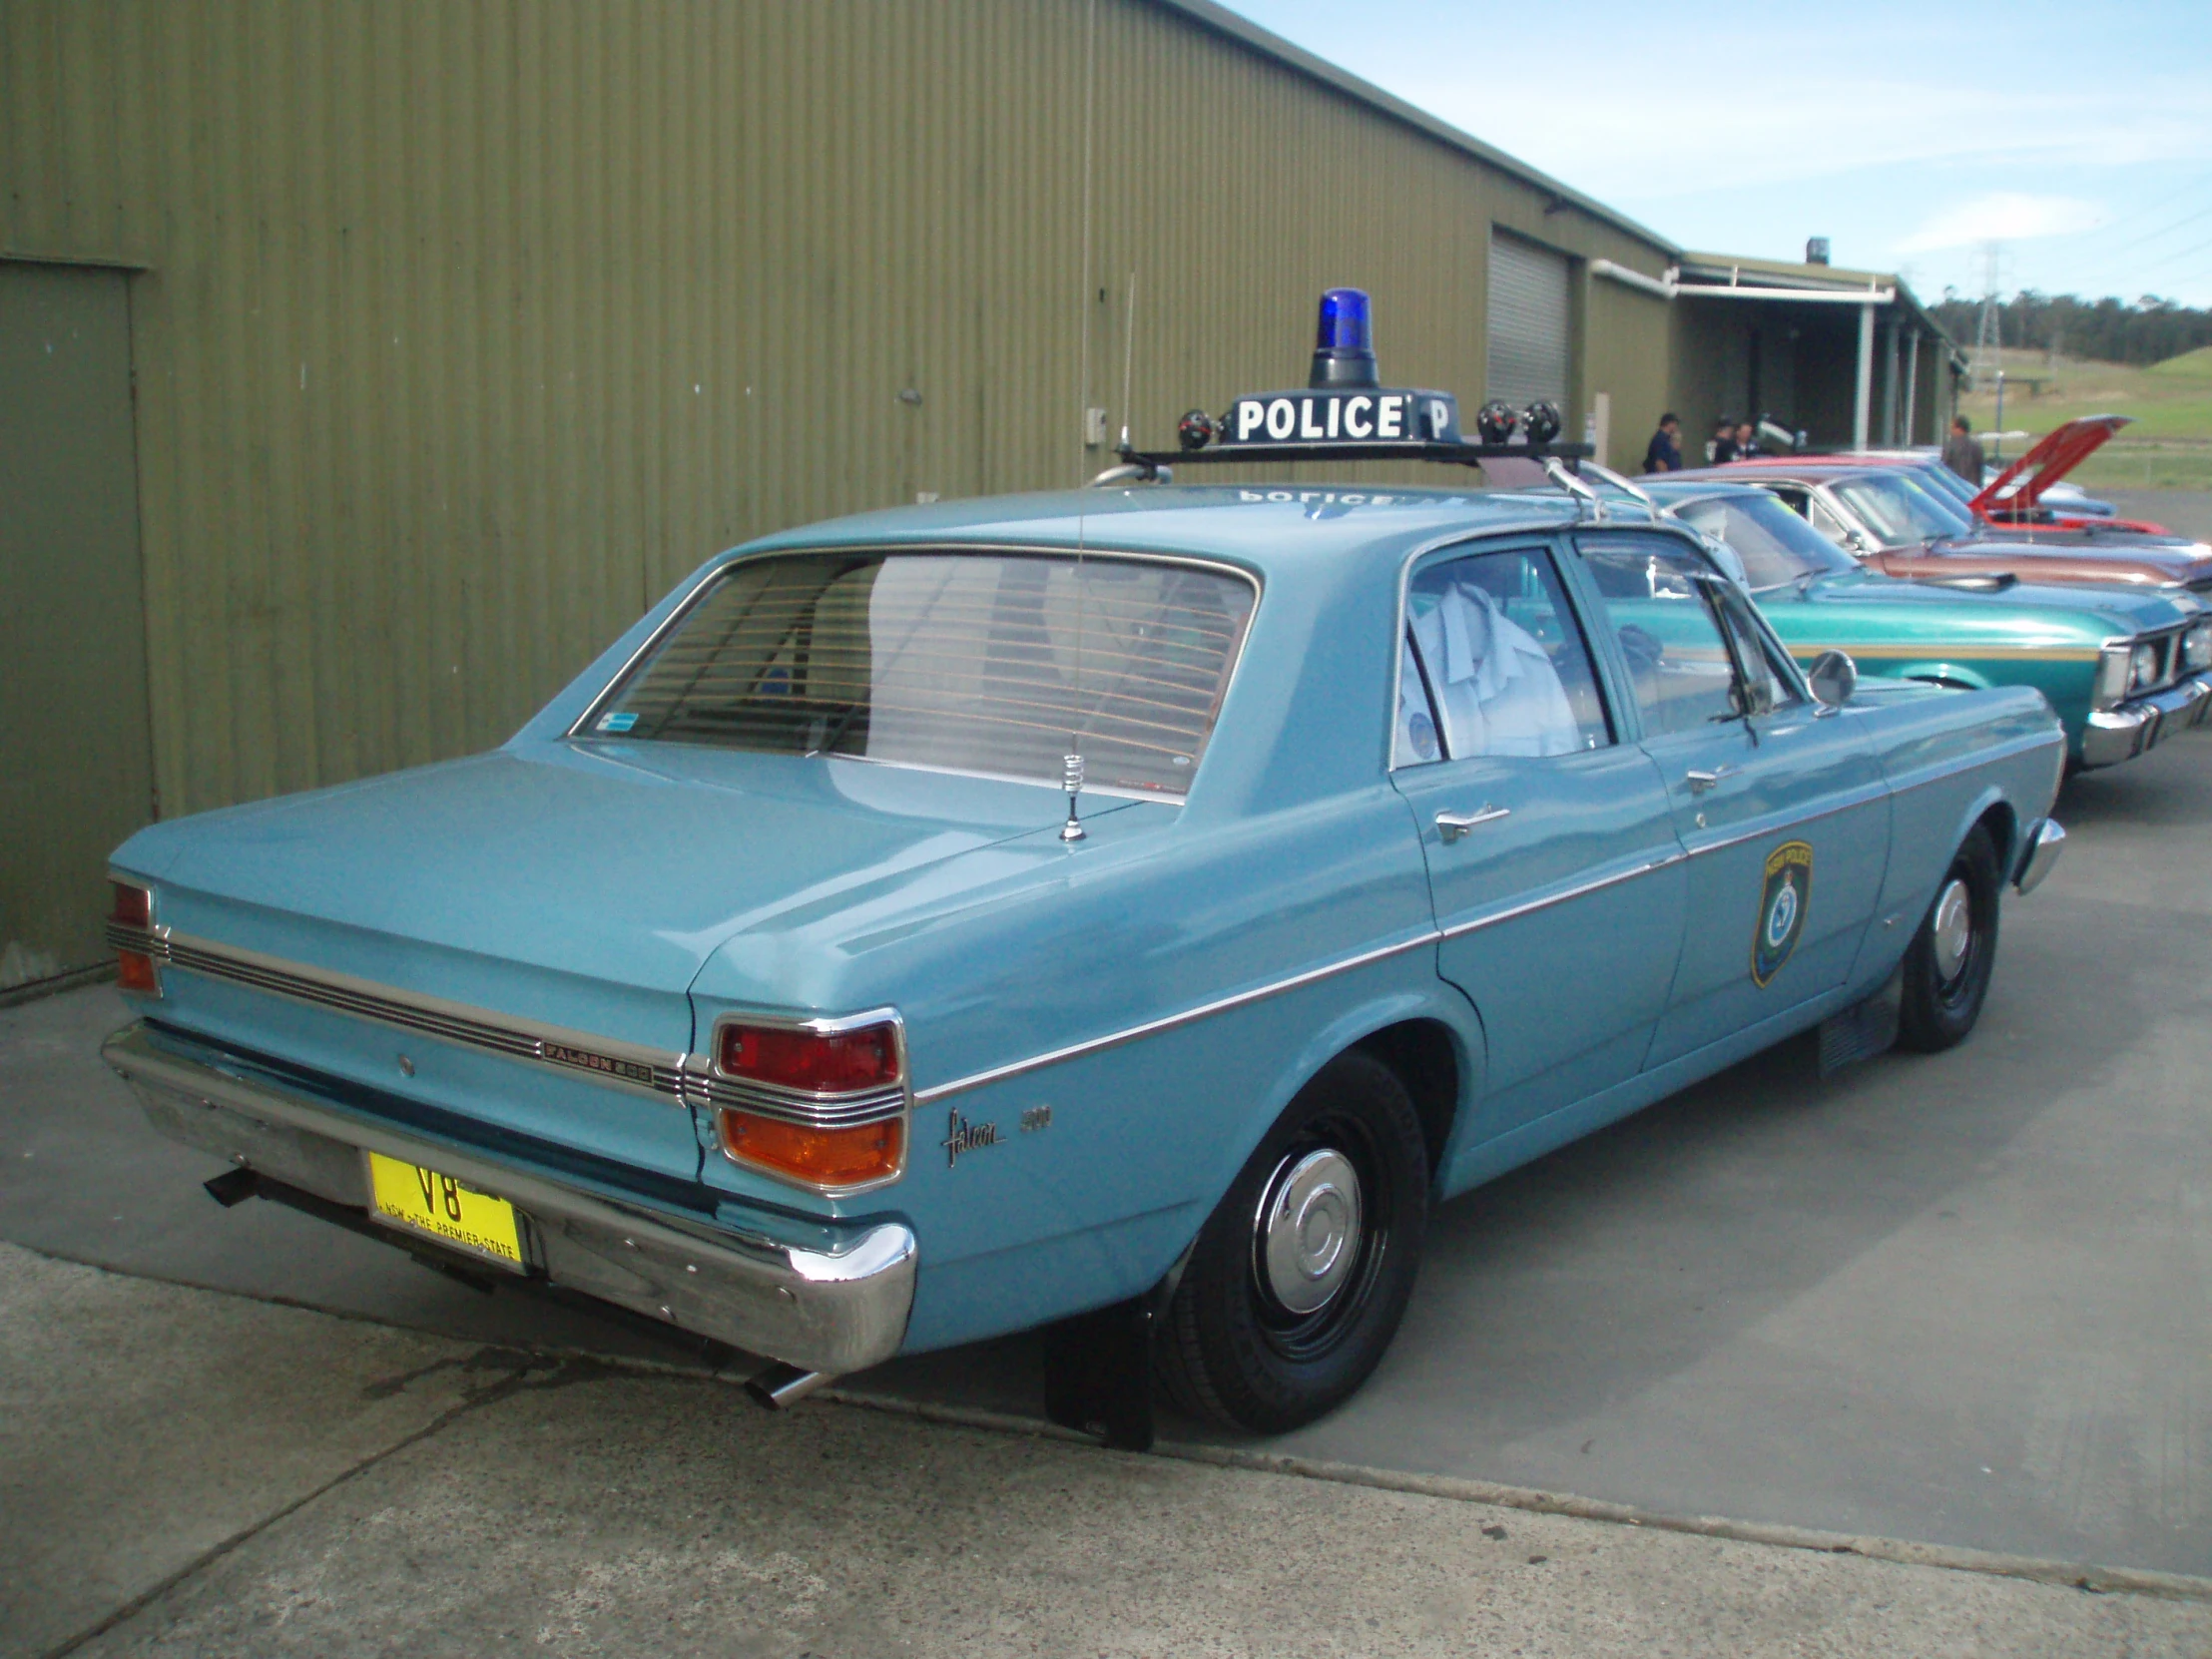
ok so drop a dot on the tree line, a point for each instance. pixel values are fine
(2145, 330)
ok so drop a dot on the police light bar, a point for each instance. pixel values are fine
(1344, 413)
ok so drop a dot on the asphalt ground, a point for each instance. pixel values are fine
(1957, 1299)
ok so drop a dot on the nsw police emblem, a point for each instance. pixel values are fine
(1782, 901)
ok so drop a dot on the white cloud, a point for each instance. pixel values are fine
(2002, 215)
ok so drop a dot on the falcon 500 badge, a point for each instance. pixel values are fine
(1782, 904)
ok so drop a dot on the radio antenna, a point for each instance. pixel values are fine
(1128, 358)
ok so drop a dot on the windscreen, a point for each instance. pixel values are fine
(988, 663)
(1899, 510)
(1776, 546)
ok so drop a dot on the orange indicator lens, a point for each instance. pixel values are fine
(819, 1157)
(133, 971)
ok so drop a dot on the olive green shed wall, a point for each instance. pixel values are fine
(462, 327)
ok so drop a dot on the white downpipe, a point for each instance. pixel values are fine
(1809, 296)
(1664, 286)
(1862, 403)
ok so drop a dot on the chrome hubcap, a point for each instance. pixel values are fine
(1953, 930)
(1309, 1230)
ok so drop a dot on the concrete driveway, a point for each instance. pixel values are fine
(1960, 1300)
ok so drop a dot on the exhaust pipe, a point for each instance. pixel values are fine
(782, 1386)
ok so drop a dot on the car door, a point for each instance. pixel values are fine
(1779, 805)
(1548, 834)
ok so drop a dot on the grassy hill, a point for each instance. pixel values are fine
(2168, 447)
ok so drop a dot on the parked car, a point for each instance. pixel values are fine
(1126, 911)
(2029, 499)
(1901, 523)
(2124, 667)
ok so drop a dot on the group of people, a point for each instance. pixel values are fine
(1732, 440)
(1738, 440)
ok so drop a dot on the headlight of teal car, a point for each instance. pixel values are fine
(2142, 672)
(2196, 646)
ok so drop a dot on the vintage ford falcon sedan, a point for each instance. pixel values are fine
(2124, 667)
(1126, 911)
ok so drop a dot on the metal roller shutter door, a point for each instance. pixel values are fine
(1528, 322)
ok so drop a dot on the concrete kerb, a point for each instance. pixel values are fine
(2067, 1574)
(2085, 1576)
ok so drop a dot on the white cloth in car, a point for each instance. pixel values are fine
(1498, 692)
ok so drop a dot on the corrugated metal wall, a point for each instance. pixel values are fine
(466, 325)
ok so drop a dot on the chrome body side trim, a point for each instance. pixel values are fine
(833, 1311)
(654, 1073)
(1169, 1022)
(1114, 1039)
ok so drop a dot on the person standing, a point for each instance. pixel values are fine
(1962, 451)
(1747, 441)
(1722, 449)
(1664, 453)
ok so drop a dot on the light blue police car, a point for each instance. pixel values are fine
(1126, 911)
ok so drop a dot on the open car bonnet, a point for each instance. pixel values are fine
(2021, 486)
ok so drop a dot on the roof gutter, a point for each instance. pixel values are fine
(1672, 287)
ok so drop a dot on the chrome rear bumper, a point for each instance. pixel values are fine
(2115, 734)
(2039, 852)
(822, 1309)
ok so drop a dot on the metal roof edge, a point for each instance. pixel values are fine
(1820, 278)
(1221, 21)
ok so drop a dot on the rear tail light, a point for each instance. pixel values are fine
(824, 1105)
(817, 1062)
(130, 926)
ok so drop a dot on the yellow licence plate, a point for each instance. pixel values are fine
(422, 1200)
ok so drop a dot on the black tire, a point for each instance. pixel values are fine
(1947, 981)
(1230, 1348)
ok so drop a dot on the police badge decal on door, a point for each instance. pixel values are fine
(1782, 904)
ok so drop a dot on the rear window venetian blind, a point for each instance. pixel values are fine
(973, 662)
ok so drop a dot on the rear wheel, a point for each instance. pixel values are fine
(1299, 1276)
(1948, 964)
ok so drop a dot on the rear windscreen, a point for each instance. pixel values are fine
(973, 662)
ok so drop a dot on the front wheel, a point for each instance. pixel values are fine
(1948, 964)
(1299, 1276)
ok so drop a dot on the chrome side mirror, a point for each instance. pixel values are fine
(1833, 677)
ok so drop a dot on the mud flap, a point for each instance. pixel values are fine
(1865, 1029)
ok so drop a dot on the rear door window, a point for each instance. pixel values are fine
(991, 663)
(1495, 664)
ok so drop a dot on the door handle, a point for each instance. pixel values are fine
(1452, 825)
(1702, 779)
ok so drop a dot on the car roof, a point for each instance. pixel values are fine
(1273, 529)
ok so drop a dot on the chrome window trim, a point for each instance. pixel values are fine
(578, 732)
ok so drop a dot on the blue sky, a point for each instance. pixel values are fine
(1909, 134)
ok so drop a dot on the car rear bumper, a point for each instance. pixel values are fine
(832, 1310)
(2115, 734)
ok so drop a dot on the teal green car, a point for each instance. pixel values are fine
(2124, 667)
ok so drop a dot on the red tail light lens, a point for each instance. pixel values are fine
(135, 970)
(817, 1062)
(134, 906)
